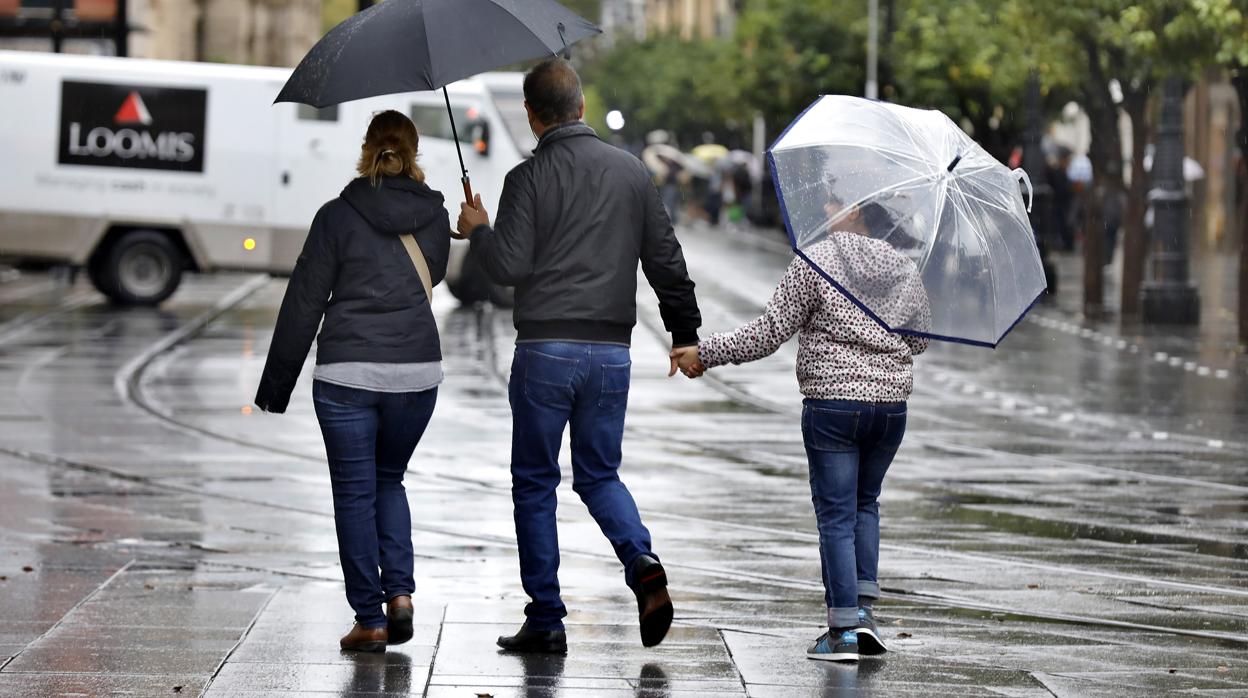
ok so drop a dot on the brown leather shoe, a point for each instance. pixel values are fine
(362, 639)
(399, 619)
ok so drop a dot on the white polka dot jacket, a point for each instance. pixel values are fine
(843, 354)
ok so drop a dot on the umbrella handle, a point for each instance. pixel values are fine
(1026, 180)
(467, 189)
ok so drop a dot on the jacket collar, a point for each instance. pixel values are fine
(566, 130)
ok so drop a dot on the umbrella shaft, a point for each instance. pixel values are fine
(455, 133)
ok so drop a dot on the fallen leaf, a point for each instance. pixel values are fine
(485, 695)
(1033, 586)
(3, 578)
(1173, 671)
(898, 622)
(1223, 669)
(177, 689)
(28, 568)
(904, 635)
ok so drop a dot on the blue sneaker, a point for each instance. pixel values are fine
(844, 649)
(868, 636)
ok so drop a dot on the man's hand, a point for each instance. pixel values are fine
(470, 217)
(685, 359)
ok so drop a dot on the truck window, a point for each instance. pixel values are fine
(308, 113)
(431, 120)
(510, 105)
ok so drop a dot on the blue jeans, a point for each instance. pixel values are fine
(554, 384)
(849, 446)
(369, 438)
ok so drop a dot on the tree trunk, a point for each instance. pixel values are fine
(1134, 237)
(1093, 250)
(1240, 80)
(1105, 152)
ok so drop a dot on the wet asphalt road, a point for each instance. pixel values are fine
(1065, 517)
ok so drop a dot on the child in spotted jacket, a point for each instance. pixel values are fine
(855, 377)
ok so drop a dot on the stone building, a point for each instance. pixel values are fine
(256, 32)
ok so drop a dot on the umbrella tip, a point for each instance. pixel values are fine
(955, 162)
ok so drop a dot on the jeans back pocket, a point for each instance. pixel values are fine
(615, 381)
(830, 430)
(548, 379)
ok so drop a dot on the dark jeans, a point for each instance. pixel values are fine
(849, 446)
(369, 438)
(554, 384)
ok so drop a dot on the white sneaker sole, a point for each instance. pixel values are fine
(833, 656)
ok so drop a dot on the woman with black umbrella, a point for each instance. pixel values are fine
(368, 267)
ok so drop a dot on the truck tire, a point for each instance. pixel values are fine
(100, 279)
(142, 267)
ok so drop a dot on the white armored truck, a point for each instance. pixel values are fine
(139, 170)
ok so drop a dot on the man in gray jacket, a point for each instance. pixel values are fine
(573, 223)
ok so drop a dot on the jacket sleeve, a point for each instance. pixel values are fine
(663, 263)
(307, 295)
(506, 251)
(790, 308)
(434, 238)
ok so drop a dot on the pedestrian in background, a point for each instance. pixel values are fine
(378, 363)
(573, 223)
(856, 377)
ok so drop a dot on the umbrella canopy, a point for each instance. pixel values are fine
(960, 261)
(416, 45)
(710, 153)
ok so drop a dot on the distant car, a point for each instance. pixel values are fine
(139, 170)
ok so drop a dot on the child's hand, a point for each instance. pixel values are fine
(686, 360)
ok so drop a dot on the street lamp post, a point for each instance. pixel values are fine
(1036, 168)
(873, 50)
(1170, 296)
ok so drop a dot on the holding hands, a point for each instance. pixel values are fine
(685, 359)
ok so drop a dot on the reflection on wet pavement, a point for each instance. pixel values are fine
(1065, 516)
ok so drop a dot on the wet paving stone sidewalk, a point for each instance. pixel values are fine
(179, 543)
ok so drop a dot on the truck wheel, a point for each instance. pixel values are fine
(141, 268)
(100, 279)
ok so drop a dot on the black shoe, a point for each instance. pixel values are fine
(654, 606)
(535, 641)
(869, 640)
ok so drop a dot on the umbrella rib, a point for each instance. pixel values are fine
(526, 27)
(983, 201)
(983, 240)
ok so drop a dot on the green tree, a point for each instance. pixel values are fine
(685, 87)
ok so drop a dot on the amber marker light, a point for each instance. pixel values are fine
(246, 409)
(249, 244)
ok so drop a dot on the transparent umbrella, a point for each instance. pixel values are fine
(908, 217)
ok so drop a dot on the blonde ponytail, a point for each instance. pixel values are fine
(389, 148)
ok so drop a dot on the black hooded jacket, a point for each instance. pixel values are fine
(355, 272)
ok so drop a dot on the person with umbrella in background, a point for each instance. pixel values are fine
(573, 223)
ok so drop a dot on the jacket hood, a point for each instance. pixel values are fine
(397, 205)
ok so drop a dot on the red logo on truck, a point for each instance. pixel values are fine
(133, 111)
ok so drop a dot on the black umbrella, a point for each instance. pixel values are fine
(415, 45)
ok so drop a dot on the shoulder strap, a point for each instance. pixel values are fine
(418, 260)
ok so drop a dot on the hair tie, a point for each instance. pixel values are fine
(388, 151)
